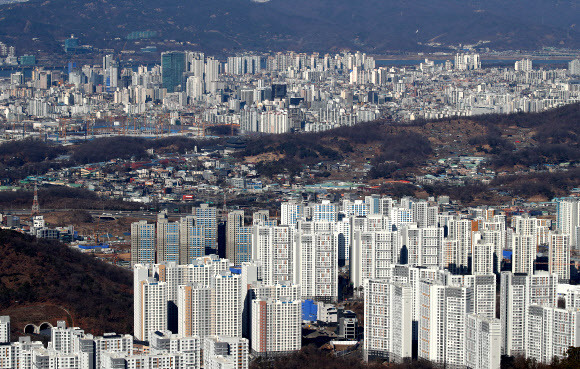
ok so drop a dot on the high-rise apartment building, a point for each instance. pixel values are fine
(276, 326)
(194, 307)
(274, 247)
(550, 332)
(168, 240)
(373, 253)
(143, 239)
(568, 219)
(290, 213)
(442, 324)
(150, 306)
(317, 263)
(483, 342)
(4, 329)
(206, 218)
(524, 253)
(221, 352)
(517, 293)
(559, 256)
(388, 320)
(192, 244)
(235, 223)
(226, 305)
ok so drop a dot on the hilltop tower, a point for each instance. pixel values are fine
(35, 205)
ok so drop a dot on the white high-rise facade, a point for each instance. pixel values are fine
(276, 326)
(317, 263)
(518, 292)
(373, 253)
(559, 256)
(221, 352)
(194, 307)
(524, 253)
(388, 320)
(150, 310)
(226, 305)
(442, 324)
(483, 342)
(274, 248)
(4, 329)
(551, 332)
(568, 219)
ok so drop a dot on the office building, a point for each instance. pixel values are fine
(172, 67)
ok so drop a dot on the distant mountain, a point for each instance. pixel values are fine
(45, 281)
(301, 25)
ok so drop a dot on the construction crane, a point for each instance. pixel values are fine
(63, 124)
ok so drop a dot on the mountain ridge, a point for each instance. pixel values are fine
(320, 25)
(50, 275)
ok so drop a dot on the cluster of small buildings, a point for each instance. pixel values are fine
(72, 348)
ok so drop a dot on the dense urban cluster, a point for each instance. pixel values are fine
(276, 93)
(454, 286)
(428, 277)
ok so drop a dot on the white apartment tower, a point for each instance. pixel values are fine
(550, 332)
(568, 219)
(524, 253)
(483, 342)
(4, 329)
(517, 293)
(226, 305)
(276, 326)
(317, 262)
(388, 320)
(221, 352)
(443, 322)
(274, 248)
(194, 307)
(559, 256)
(150, 308)
(373, 253)
(290, 213)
